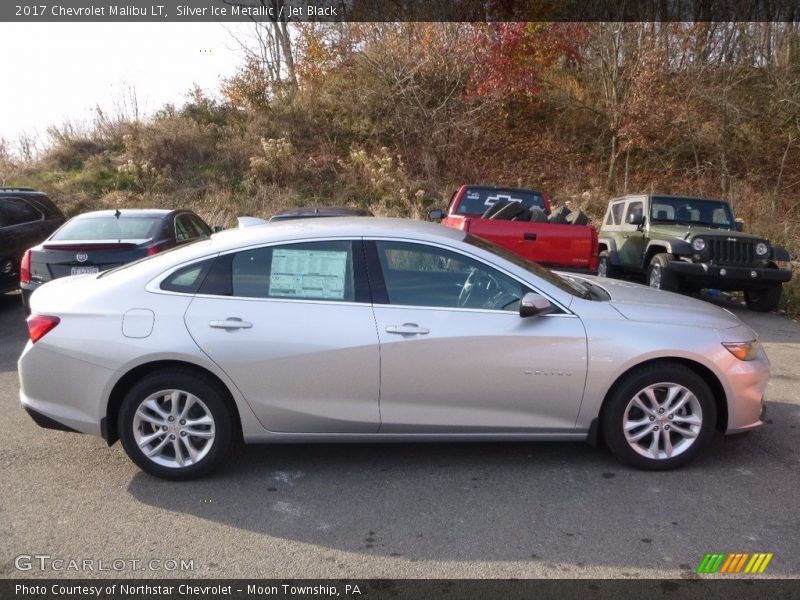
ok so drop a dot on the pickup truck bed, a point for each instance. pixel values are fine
(560, 246)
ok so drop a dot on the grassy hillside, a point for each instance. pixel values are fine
(395, 117)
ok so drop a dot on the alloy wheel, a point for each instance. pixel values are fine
(662, 421)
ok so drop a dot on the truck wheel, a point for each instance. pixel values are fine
(604, 266)
(487, 214)
(538, 216)
(660, 275)
(763, 300)
(577, 217)
(509, 211)
(558, 216)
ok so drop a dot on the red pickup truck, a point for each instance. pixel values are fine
(523, 221)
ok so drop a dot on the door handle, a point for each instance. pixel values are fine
(407, 329)
(531, 237)
(230, 323)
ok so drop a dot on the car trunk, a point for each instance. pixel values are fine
(76, 257)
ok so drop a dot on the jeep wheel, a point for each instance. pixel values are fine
(660, 274)
(763, 300)
(604, 266)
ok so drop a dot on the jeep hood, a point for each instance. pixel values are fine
(687, 232)
(638, 302)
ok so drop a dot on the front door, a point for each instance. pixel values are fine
(456, 357)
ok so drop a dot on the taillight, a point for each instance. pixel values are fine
(25, 268)
(39, 325)
(152, 250)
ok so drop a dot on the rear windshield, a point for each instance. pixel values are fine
(109, 228)
(477, 201)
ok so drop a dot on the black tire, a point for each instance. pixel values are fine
(604, 266)
(487, 214)
(764, 299)
(577, 217)
(214, 401)
(659, 376)
(660, 274)
(558, 216)
(523, 216)
(26, 300)
(538, 215)
(509, 211)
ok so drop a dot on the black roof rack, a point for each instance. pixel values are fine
(16, 189)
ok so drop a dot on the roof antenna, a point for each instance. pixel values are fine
(117, 213)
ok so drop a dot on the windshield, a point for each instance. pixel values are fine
(477, 201)
(109, 228)
(690, 211)
(566, 285)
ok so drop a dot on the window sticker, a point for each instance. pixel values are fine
(492, 200)
(308, 274)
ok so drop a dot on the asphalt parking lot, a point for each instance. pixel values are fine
(421, 510)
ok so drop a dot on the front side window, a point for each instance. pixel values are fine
(634, 208)
(304, 271)
(419, 275)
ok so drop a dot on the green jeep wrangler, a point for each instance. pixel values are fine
(686, 244)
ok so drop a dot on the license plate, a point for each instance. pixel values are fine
(83, 270)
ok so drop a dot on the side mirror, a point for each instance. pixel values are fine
(738, 224)
(436, 214)
(636, 219)
(218, 228)
(533, 305)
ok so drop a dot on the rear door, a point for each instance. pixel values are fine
(292, 326)
(455, 354)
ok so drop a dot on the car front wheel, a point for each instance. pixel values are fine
(660, 275)
(604, 266)
(659, 418)
(175, 425)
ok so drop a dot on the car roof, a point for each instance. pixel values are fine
(322, 211)
(335, 227)
(503, 188)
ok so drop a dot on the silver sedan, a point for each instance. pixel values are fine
(374, 330)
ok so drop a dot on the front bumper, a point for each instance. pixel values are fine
(747, 381)
(730, 276)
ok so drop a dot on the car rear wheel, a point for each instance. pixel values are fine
(659, 418)
(175, 425)
(763, 300)
(660, 275)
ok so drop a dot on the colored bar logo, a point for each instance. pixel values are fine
(736, 562)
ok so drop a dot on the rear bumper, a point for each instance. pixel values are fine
(46, 422)
(729, 276)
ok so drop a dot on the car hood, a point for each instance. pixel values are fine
(638, 302)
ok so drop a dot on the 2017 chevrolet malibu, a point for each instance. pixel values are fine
(329, 330)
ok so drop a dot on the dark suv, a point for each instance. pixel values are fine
(684, 243)
(26, 218)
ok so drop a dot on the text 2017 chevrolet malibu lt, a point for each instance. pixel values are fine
(342, 330)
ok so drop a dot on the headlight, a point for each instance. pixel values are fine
(743, 350)
(699, 244)
(762, 249)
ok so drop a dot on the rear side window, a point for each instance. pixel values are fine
(15, 211)
(109, 228)
(478, 201)
(187, 280)
(615, 214)
(304, 271)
